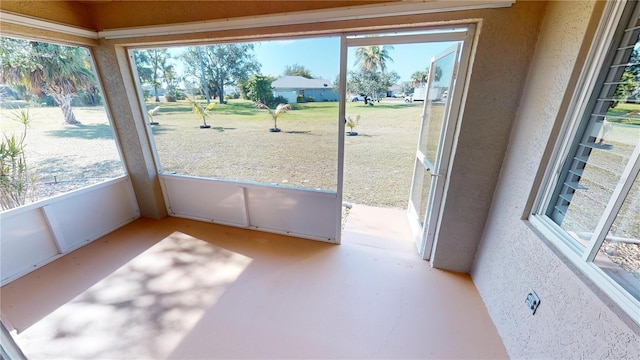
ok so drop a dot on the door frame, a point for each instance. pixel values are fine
(428, 234)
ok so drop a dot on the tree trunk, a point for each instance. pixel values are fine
(221, 94)
(65, 105)
(205, 84)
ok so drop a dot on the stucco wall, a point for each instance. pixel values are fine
(506, 42)
(574, 320)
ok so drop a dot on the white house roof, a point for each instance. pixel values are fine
(300, 82)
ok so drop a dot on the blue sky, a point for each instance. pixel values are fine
(322, 56)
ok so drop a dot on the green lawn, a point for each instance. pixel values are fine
(239, 146)
(378, 162)
(630, 111)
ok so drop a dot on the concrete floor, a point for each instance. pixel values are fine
(181, 289)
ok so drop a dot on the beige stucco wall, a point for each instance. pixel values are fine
(574, 319)
(127, 116)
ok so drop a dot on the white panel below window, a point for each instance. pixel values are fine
(301, 213)
(298, 212)
(90, 214)
(26, 242)
(202, 199)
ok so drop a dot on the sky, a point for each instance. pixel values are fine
(322, 56)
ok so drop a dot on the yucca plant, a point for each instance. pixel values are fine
(14, 179)
(280, 109)
(352, 123)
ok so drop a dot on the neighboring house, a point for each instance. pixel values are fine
(394, 89)
(292, 86)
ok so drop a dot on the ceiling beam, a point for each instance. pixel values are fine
(306, 17)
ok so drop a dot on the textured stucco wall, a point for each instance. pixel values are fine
(505, 46)
(574, 320)
(127, 116)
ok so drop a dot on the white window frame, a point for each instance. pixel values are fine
(582, 258)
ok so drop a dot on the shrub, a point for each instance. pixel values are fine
(278, 100)
(300, 99)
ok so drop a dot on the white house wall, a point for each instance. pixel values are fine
(572, 320)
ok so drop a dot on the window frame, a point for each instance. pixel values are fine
(591, 77)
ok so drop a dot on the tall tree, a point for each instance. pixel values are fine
(226, 64)
(373, 57)
(58, 71)
(297, 70)
(153, 66)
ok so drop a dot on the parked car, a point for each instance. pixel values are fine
(408, 98)
(358, 97)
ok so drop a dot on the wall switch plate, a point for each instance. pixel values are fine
(532, 301)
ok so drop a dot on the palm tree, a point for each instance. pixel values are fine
(58, 71)
(202, 111)
(373, 57)
(419, 78)
(280, 109)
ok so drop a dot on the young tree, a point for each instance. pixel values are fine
(58, 71)
(280, 109)
(297, 70)
(370, 83)
(225, 64)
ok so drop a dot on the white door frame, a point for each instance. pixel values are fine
(427, 235)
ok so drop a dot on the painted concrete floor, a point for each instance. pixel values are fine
(181, 289)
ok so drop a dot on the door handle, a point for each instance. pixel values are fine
(432, 173)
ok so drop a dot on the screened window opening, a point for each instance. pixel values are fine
(262, 112)
(596, 200)
(56, 134)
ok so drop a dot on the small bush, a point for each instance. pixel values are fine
(300, 99)
(278, 100)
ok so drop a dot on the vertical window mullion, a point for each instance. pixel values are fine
(613, 206)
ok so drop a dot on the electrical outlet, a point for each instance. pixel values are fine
(532, 301)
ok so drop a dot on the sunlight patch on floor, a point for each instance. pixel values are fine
(143, 309)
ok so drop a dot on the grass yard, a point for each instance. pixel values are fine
(61, 158)
(378, 162)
